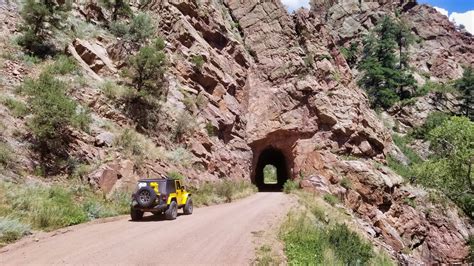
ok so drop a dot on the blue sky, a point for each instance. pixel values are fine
(459, 6)
(459, 11)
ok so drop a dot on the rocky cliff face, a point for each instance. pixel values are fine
(441, 50)
(276, 86)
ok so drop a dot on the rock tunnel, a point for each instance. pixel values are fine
(274, 157)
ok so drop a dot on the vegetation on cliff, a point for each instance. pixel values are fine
(386, 74)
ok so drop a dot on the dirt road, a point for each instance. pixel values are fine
(220, 234)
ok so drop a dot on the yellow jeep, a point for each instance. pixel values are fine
(160, 196)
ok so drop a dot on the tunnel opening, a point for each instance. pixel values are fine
(271, 171)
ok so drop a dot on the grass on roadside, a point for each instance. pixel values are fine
(265, 256)
(12, 229)
(211, 193)
(26, 206)
(317, 234)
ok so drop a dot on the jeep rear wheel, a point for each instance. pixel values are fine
(145, 197)
(188, 208)
(136, 215)
(172, 212)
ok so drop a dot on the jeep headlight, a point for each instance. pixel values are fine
(141, 184)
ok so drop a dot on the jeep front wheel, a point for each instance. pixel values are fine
(188, 208)
(136, 215)
(172, 212)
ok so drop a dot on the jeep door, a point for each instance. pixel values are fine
(179, 192)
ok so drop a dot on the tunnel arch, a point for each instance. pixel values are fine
(275, 157)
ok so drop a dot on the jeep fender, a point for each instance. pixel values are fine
(170, 199)
(185, 197)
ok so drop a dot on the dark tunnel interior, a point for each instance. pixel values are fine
(275, 157)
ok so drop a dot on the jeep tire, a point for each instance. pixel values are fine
(145, 197)
(172, 212)
(135, 214)
(188, 207)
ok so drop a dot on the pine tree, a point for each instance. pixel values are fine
(466, 87)
(385, 63)
(40, 19)
(119, 8)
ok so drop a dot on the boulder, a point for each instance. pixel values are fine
(105, 139)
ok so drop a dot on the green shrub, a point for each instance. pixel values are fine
(308, 61)
(410, 202)
(185, 125)
(201, 101)
(265, 256)
(304, 242)
(12, 229)
(351, 53)
(96, 210)
(402, 143)
(141, 28)
(175, 175)
(137, 31)
(62, 65)
(211, 130)
(223, 191)
(433, 120)
(53, 112)
(226, 190)
(17, 108)
(348, 246)
(449, 169)
(331, 199)
(6, 155)
(180, 156)
(147, 69)
(431, 86)
(198, 62)
(48, 207)
(113, 91)
(290, 185)
(130, 142)
(118, 8)
(81, 170)
(399, 168)
(319, 241)
(29, 59)
(324, 56)
(59, 209)
(81, 119)
(40, 20)
(346, 183)
(119, 28)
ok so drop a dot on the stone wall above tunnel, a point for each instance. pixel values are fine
(276, 148)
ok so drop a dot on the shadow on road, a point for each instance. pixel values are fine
(154, 218)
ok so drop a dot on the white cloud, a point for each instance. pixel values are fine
(295, 4)
(466, 19)
(442, 11)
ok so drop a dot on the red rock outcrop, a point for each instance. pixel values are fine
(441, 51)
